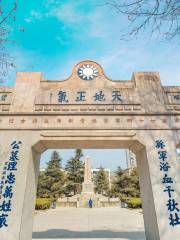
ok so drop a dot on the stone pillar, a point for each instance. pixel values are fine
(154, 199)
(22, 177)
(87, 170)
(88, 186)
(25, 91)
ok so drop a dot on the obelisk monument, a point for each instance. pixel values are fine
(88, 186)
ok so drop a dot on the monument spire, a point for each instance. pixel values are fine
(87, 170)
(87, 186)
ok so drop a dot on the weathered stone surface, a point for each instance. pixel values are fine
(87, 186)
(143, 112)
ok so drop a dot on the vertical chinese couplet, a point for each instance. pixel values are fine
(167, 181)
(7, 182)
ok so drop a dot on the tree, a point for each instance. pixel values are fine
(125, 184)
(51, 182)
(7, 18)
(75, 173)
(101, 182)
(135, 181)
(159, 16)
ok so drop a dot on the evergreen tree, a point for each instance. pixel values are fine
(75, 173)
(51, 182)
(41, 188)
(135, 182)
(126, 184)
(101, 182)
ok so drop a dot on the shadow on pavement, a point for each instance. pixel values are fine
(63, 233)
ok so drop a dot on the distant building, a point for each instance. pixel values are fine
(42, 170)
(107, 170)
(130, 160)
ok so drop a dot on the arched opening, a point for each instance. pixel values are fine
(147, 198)
(72, 217)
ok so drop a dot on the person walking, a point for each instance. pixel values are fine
(90, 203)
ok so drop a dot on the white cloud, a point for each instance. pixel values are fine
(34, 15)
(120, 62)
(67, 13)
(118, 58)
(117, 63)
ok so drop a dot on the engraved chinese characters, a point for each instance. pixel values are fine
(99, 96)
(7, 182)
(167, 181)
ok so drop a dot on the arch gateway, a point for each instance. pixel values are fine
(88, 110)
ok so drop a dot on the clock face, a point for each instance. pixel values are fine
(87, 72)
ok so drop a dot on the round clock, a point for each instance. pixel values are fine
(87, 72)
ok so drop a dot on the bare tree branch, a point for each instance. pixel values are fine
(158, 16)
(7, 18)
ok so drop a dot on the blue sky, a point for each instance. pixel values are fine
(58, 34)
(107, 158)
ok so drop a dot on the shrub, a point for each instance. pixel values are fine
(134, 203)
(124, 199)
(42, 203)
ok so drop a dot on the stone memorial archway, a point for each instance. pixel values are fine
(88, 110)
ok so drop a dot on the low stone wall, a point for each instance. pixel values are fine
(66, 204)
(81, 200)
(110, 204)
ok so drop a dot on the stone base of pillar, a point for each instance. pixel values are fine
(88, 188)
(82, 200)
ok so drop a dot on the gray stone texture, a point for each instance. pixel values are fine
(87, 186)
(148, 111)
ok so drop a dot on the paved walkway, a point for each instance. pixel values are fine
(99, 223)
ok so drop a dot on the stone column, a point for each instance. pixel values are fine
(87, 170)
(154, 199)
(21, 162)
(88, 186)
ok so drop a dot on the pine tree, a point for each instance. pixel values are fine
(101, 182)
(75, 173)
(135, 182)
(41, 188)
(125, 184)
(51, 182)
